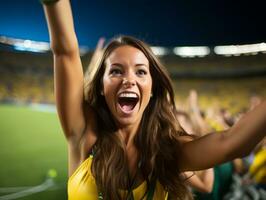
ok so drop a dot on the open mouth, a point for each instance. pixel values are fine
(127, 101)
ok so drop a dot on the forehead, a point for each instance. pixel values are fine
(127, 55)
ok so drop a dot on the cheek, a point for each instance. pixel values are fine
(147, 89)
(148, 85)
(109, 90)
(106, 85)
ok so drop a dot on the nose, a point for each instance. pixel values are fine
(128, 82)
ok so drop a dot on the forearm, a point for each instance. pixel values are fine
(61, 28)
(216, 148)
(244, 135)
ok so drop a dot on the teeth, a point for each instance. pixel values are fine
(129, 95)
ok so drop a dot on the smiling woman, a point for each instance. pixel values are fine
(121, 124)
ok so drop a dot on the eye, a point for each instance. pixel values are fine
(115, 71)
(141, 72)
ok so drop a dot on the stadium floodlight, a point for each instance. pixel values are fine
(248, 49)
(196, 51)
(26, 45)
(159, 51)
(33, 46)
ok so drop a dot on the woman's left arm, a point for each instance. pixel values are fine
(215, 148)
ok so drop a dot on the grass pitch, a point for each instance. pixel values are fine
(32, 143)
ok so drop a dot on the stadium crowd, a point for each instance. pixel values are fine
(211, 105)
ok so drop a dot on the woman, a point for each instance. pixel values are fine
(124, 141)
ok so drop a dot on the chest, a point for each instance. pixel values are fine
(133, 160)
(88, 142)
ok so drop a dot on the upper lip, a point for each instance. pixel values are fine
(127, 91)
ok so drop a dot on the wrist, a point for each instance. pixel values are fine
(48, 2)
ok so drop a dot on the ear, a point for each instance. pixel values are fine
(102, 93)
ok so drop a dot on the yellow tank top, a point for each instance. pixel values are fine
(82, 186)
(258, 167)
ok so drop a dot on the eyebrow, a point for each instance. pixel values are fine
(121, 65)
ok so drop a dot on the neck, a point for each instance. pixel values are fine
(128, 133)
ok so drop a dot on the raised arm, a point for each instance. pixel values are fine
(67, 67)
(216, 148)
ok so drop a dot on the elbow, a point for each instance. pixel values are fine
(64, 48)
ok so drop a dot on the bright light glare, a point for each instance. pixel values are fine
(159, 51)
(249, 49)
(199, 51)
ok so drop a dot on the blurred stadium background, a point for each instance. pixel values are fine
(31, 139)
(32, 145)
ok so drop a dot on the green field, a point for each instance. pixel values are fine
(31, 143)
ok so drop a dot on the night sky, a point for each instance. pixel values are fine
(164, 23)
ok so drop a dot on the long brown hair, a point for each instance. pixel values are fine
(157, 138)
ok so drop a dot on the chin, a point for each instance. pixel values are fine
(126, 122)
